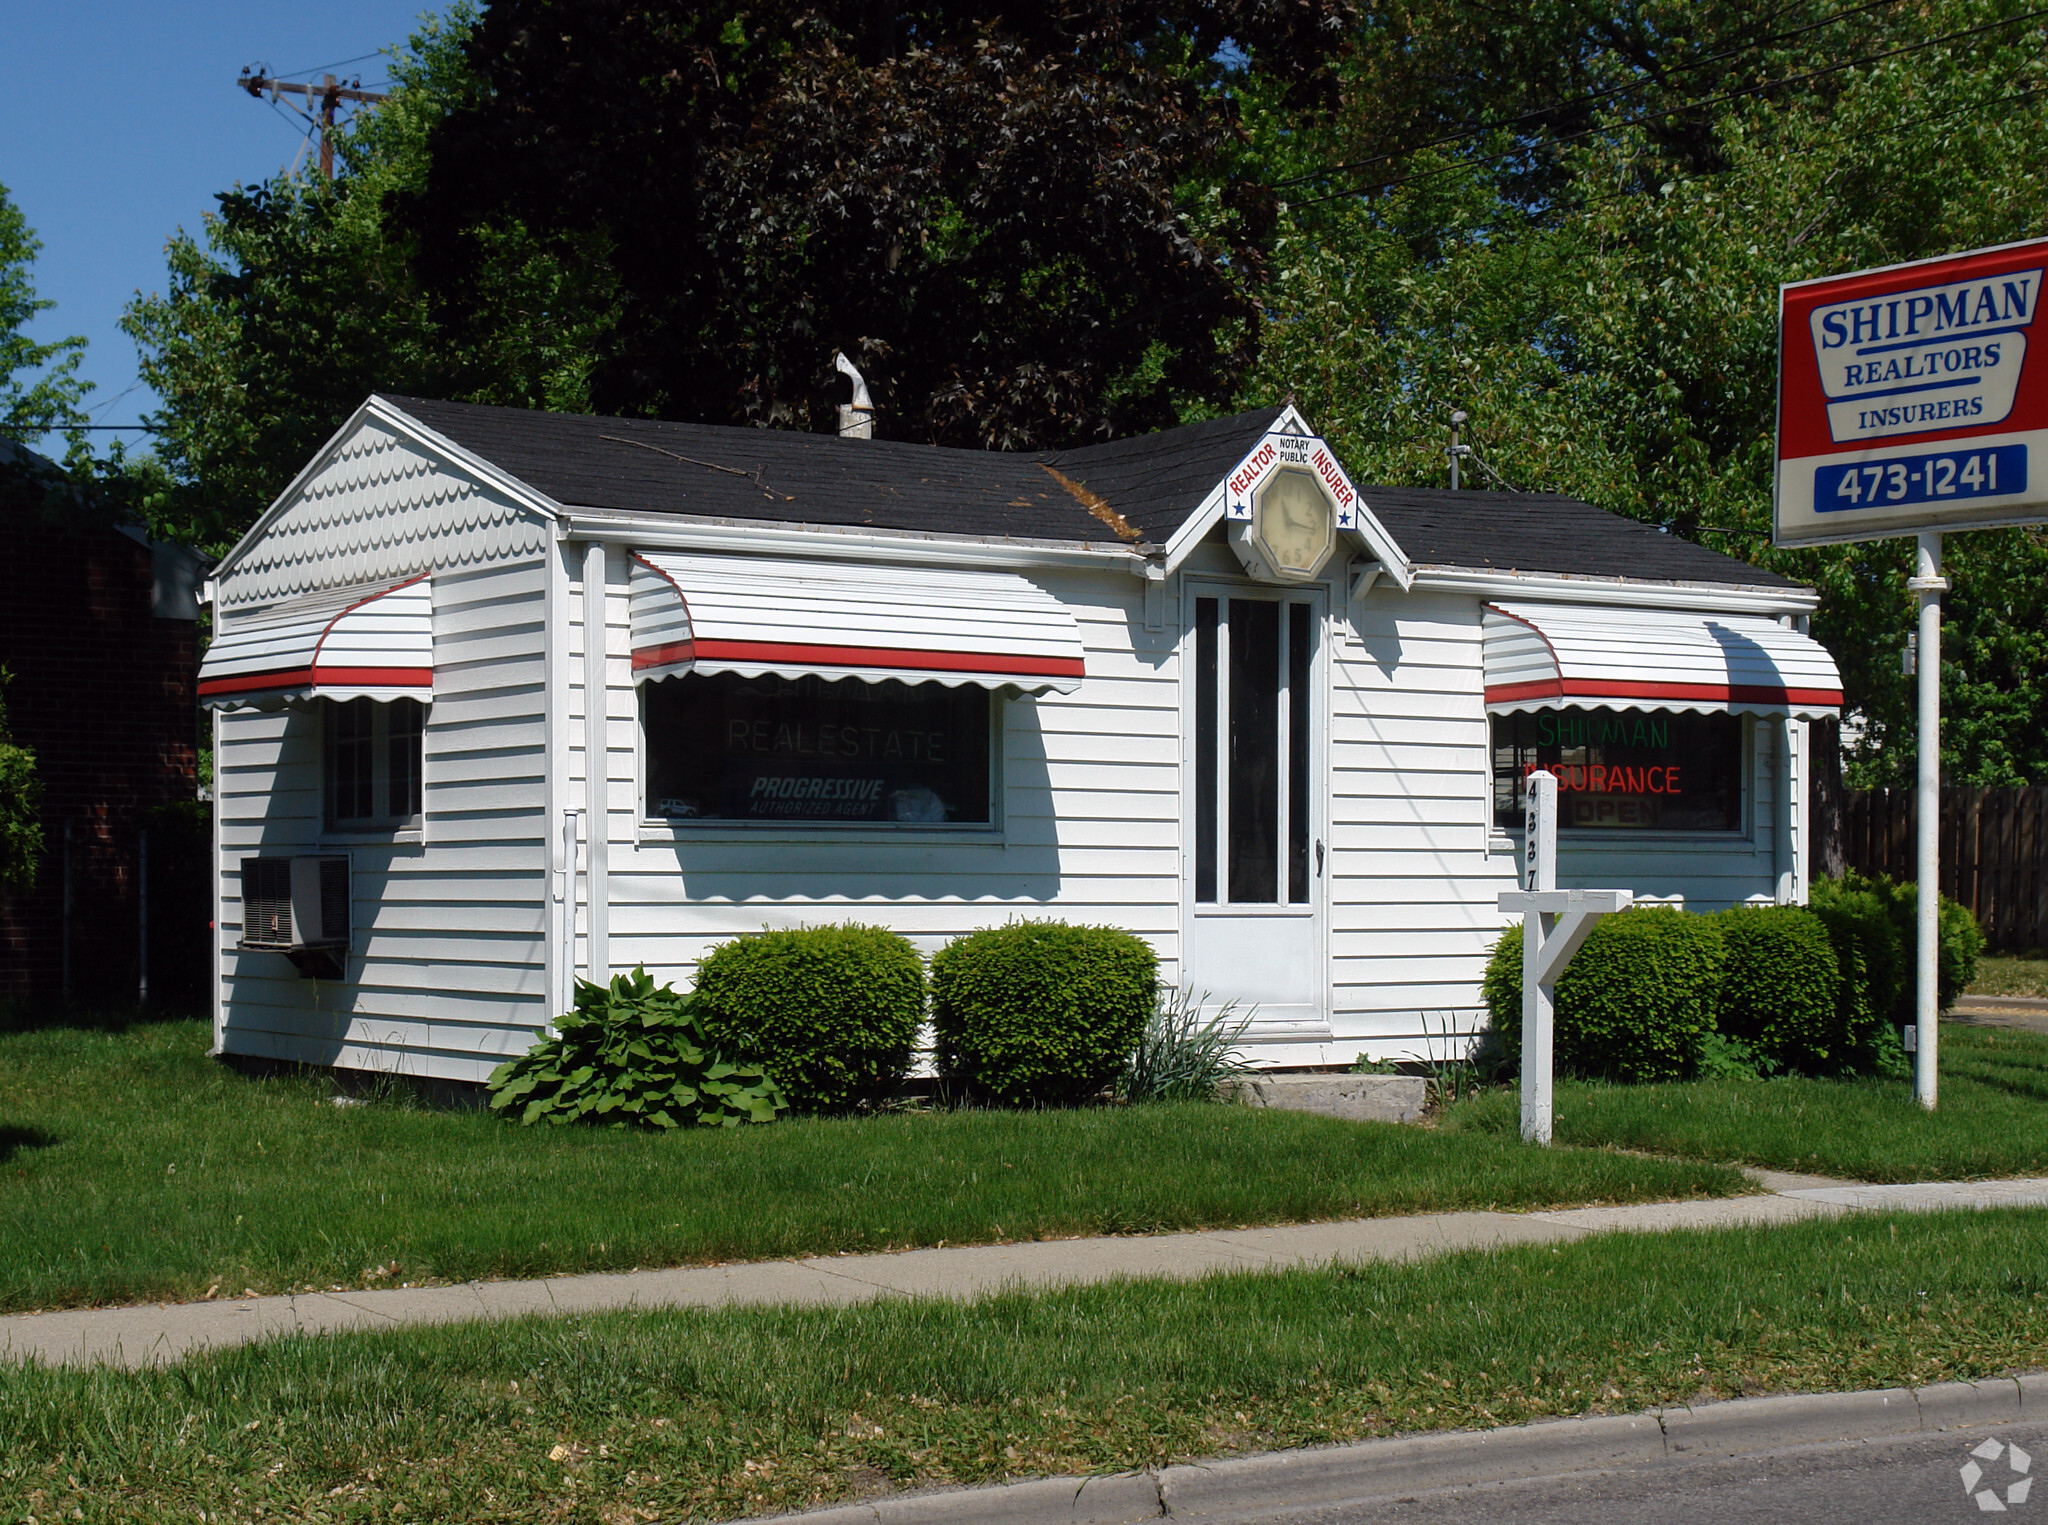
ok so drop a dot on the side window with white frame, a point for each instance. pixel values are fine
(371, 757)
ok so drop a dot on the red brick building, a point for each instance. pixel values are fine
(99, 629)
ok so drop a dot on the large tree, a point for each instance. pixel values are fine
(40, 389)
(1027, 223)
(1595, 281)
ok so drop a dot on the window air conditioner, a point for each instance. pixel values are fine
(298, 907)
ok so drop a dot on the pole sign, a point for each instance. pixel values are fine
(1913, 397)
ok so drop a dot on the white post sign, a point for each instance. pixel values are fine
(1555, 925)
(1911, 401)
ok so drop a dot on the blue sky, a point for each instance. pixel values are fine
(119, 120)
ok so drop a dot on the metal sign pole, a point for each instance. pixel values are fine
(1929, 584)
(1539, 872)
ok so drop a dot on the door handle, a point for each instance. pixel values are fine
(1319, 857)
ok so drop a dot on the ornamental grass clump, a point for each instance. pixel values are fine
(632, 1054)
(1183, 1055)
(1040, 1012)
(832, 1011)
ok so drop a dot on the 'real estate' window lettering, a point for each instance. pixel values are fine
(725, 748)
(1623, 770)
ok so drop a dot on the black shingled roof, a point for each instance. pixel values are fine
(1150, 483)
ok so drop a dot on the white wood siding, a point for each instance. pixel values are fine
(1088, 804)
(447, 973)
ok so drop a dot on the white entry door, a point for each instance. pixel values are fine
(1253, 914)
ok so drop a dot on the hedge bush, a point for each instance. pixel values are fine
(1866, 945)
(1634, 1003)
(1781, 987)
(1958, 938)
(833, 1012)
(1040, 1011)
(632, 1054)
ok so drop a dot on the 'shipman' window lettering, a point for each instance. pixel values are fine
(1623, 770)
(816, 751)
(372, 763)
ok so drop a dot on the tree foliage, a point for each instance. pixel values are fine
(1596, 283)
(40, 388)
(21, 827)
(1023, 221)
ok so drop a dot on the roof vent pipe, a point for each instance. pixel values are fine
(857, 418)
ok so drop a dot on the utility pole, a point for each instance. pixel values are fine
(329, 92)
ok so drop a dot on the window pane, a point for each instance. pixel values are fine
(1623, 770)
(351, 753)
(1254, 750)
(402, 754)
(1300, 706)
(1205, 750)
(725, 748)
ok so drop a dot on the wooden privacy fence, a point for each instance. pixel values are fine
(1994, 852)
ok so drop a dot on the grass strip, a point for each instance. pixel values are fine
(674, 1415)
(2024, 974)
(1989, 1121)
(134, 1168)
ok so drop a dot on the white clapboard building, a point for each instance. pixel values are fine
(507, 699)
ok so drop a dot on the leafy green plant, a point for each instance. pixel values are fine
(833, 1011)
(1781, 987)
(632, 1054)
(1040, 1011)
(1726, 1058)
(1633, 1004)
(1183, 1055)
(21, 831)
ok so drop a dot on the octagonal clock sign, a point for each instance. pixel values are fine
(1284, 505)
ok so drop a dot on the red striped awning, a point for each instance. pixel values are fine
(1558, 656)
(756, 614)
(359, 642)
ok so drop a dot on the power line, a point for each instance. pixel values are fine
(330, 92)
(1482, 128)
(317, 68)
(1691, 107)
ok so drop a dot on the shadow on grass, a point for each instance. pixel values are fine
(13, 1140)
(34, 1017)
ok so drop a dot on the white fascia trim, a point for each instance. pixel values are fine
(669, 532)
(402, 423)
(1563, 588)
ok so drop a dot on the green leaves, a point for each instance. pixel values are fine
(632, 1055)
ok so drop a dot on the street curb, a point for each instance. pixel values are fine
(1270, 1485)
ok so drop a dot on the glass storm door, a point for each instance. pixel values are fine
(1254, 923)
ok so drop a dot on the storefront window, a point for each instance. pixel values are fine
(813, 751)
(1623, 770)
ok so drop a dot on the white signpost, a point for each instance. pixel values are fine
(1555, 925)
(1911, 401)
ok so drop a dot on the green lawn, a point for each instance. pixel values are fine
(2011, 974)
(1992, 1118)
(677, 1415)
(134, 1168)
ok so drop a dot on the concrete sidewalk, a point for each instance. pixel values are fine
(152, 1333)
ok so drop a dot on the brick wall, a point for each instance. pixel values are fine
(103, 694)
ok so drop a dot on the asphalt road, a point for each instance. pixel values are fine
(1907, 1480)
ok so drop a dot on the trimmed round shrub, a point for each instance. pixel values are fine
(1958, 938)
(1040, 1011)
(1781, 986)
(1633, 1004)
(1866, 948)
(832, 1012)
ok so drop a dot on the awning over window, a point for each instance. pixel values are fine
(1554, 656)
(351, 643)
(756, 614)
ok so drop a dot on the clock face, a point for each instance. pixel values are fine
(1294, 523)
